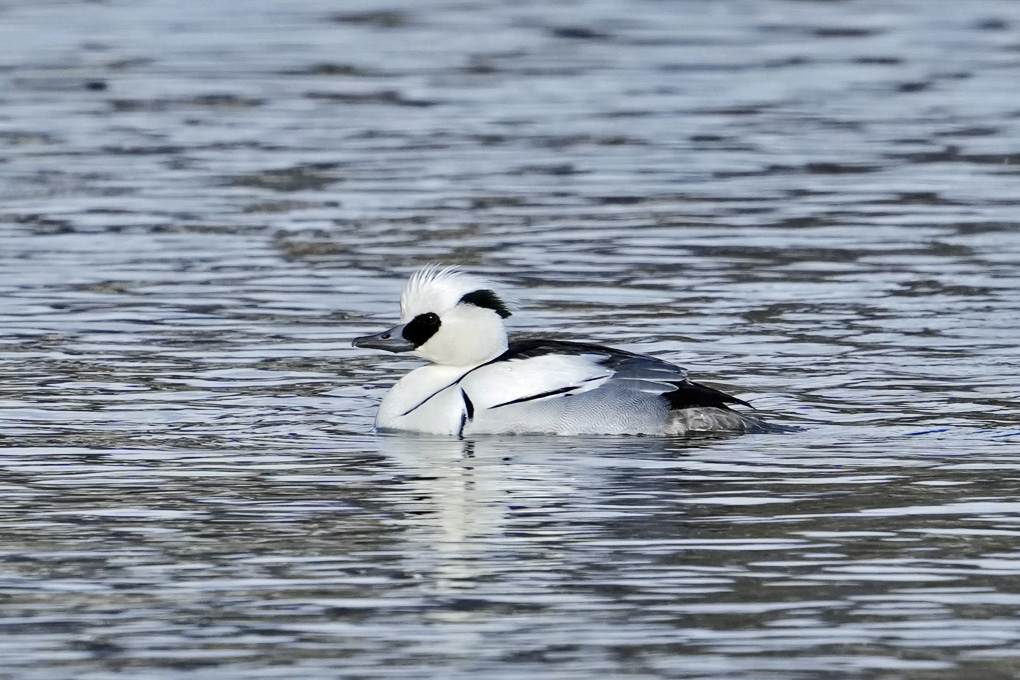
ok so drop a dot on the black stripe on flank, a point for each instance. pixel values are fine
(467, 414)
(488, 299)
(428, 398)
(422, 327)
(531, 397)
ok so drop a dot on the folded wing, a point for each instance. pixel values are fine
(545, 370)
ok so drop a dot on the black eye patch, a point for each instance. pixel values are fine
(488, 299)
(422, 327)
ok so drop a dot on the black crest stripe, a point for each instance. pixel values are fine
(488, 299)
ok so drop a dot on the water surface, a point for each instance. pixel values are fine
(812, 205)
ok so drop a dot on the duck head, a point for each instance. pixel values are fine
(446, 317)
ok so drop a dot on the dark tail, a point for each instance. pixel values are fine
(691, 394)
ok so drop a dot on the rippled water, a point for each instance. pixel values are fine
(810, 204)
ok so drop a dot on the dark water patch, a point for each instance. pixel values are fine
(878, 61)
(986, 227)
(578, 33)
(272, 207)
(815, 168)
(839, 168)
(993, 24)
(312, 249)
(969, 132)
(917, 198)
(561, 142)
(845, 32)
(928, 287)
(335, 70)
(554, 170)
(26, 137)
(208, 101)
(1007, 162)
(220, 229)
(160, 150)
(700, 68)
(744, 110)
(41, 225)
(376, 19)
(820, 32)
(916, 86)
(297, 178)
(384, 97)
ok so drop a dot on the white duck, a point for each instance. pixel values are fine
(478, 383)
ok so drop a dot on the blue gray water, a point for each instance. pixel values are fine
(812, 205)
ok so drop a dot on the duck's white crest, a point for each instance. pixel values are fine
(438, 289)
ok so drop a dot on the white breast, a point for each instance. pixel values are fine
(425, 400)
